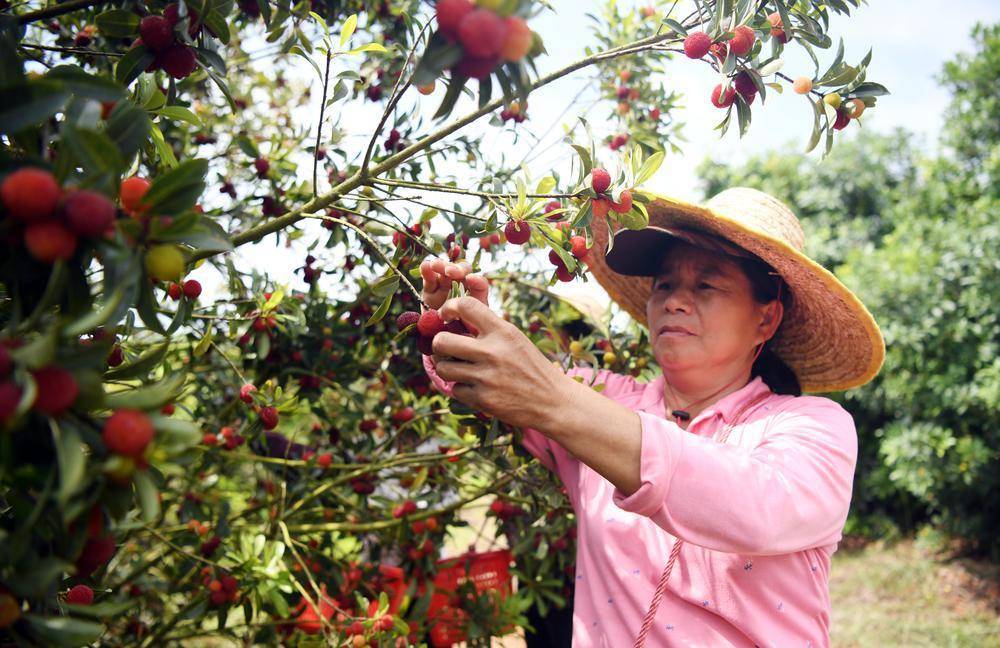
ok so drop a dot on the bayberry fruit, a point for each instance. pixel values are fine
(179, 61)
(49, 241)
(80, 595)
(89, 213)
(128, 432)
(131, 193)
(482, 33)
(742, 41)
(723, 100)
(192, 289)
(30, 194)
(696, 45)
(156, 32)
(600, 180)
(517, 232)
(518, 41)
(269, 417)
(430, 323)
(449, 15)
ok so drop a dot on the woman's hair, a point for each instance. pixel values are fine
(764, 282)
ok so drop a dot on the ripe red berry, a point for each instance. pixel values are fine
(843, 119)
(482, 33)
(517, 232)
(624, 204)
(156, 32)
(179, 61)
(57, 390)
(403, 415)
(324, 460)
(745, 86)
(407, 319)
(430, 323)
(96, 553)
(210, 439)
(600, 206)
(742, 41)
(424, 344)
(172, 13)
(600, 180)
(475, 67)
(450, 14)
(175, 291)
(579, 246)
(49, 241)
(262, 166)
(192, 289)
(245, 392)
(720, 100)
(131, 193)
(518, 41)
(269, 417)
(30, 194)
(719, 51)
(89, 213)
(696, 45)
(128, 432)
(80, 595)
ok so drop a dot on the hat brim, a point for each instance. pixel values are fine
(827, 336)
(639, 253)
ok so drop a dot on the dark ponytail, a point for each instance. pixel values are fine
(765, 282)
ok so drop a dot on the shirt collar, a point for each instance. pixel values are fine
(727, 407)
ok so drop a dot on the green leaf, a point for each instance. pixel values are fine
(386, 285)
(180, 113)
(369, 47)
(96, 317)
(128, 126)
(94, 151)
(175, 435)
(247, 146)
(545, 185)
(869, 89)
(216, 22)
(86, 85)
(380, 311)
(649, 167)
(71, 460)
(162, 149)
(147, 397)
(118, 23)
(675, 26)
(30, 103)
(101, 610)
(455, 85)
(204, 343)
(348, 29)
(178, 189)
(142, 365)
(438, 56)
(64, 631)
(585, 160)
(134, 63)
(148, 500)
(217, 63)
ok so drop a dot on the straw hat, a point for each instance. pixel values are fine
(827, 336)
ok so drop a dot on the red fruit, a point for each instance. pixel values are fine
(600, 180)
(157, 33)
(742, 41)
(30, 194)
(168, 409)
(497, 506)
(245, 392)
(57, 389)
(563, 274)
(407, 319)
(128, 432)
(172, 13)
(624, 203)
(424, 344)
(579, 246)
(89, 213)
(654, 114)
(450, 14)
(518, 41)
(192, 289)
(618, 141)
(80, 595)
(5, 362)
(720, 100)
(745, 86)
(482, 33)
(208, 547)
(696, 45)
(262, 166)
(49, 241)
(430, 323)
(843, 119)
(324, 460)
(131, 193)
(719, 51)
(96, 553)
(457, 327)
(418, 527)
(600, 206)
(551, 206)
(210, 439)
(403, 415)
(517, 232)
(269, 417)
(175, 291)
(475, 67)
(10, 396)
(178, 61)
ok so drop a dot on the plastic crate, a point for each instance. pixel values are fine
(488, 571)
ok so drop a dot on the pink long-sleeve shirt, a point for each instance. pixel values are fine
(760, 516)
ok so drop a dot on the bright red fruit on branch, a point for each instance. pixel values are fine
(579, 247)
(192, 289)
(89, 213)
(80, 595)
(30, 194)
(407, 318)
(624, 204)
(482, 33)
(269, 417)
(723, 100)
(430, 323)
(156, 32)
(843, 119)
(449, 15)
(131, 192)
(128, 433)
(517, 232)
(179, 61)
(49, 241)
(517, 44)
(600, 180)
(57, 390)
(696, 45)
(742, 41)
(261, 166)
(246, 392)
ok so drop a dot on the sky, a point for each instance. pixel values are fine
(911, 41)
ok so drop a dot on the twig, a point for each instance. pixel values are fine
(319, 124)
(56, 10)
(68, 50)
(465, 192)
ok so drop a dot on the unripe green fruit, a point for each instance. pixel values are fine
(833, 100)
(165, 262)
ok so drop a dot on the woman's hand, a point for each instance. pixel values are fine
(438, 276)
(499, 371)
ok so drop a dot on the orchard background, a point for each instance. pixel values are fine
(213, 428)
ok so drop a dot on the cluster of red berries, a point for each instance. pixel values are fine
(505, 510)
(394, 142)
(222, 590)
(190, 289)
(488, 241)
(53, 220)
(601, 204)
(406, 243)
(230, 438)
(742, 85)
(698, 44)
(408, 507)
(309, 273)
(486, 37)
(515, 111)
(174, 56)
(428, 325)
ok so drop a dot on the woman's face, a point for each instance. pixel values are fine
(702, 314)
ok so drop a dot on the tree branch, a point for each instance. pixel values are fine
(57, 10)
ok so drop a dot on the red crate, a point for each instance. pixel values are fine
(489, 571)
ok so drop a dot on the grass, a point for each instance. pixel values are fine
(904, 594)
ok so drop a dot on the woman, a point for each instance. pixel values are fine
(710, 500)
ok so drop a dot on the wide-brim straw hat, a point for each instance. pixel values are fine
(827, 336)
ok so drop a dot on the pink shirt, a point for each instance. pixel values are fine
(760, 516)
